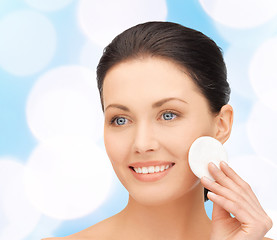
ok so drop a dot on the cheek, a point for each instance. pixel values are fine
(117, 146)
(178, 139)
(175, 142)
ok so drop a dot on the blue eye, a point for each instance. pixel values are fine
(119, 120)
(169, 115)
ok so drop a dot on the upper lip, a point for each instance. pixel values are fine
(150, 163)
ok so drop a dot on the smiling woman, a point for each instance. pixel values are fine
(157, 130)
(162, 86)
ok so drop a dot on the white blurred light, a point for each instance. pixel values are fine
(261, 131)
(90, 55)
(250, 37)
(237, 60)
(49, 5)
(240, 14)
(18, 216)
(68, 178)
(260, 175)
(238, 144)
(46, 227)
(27, 42)
(102, 20)
(65, 101)
(263, 75)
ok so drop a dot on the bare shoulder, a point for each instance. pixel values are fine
(265, 238)
(104, 230)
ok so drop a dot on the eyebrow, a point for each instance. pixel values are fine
(154, 105)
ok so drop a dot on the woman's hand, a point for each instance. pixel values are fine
(231, 194)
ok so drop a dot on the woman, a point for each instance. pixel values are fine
(162, 86)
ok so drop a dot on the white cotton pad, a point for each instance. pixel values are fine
(203, 151)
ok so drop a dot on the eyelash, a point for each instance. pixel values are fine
(112, 121)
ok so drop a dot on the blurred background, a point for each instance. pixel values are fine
(55, 177)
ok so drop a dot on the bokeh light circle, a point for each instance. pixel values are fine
(262, 174)
(240, 14)
(18, 216)
(65, 101)
(102, 20)
(49, 5)
(68, 178)
(27, 42)
(238, 143)
(237, 74)
(261, 131)
(90, 55)
(262, 73)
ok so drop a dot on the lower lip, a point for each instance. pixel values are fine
(150, 177)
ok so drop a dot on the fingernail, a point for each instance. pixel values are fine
(206, 179)
(211, 194)
(224, 163)
(213, 165)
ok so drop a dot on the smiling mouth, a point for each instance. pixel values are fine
(152, 169)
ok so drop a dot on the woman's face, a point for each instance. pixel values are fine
(153, 113)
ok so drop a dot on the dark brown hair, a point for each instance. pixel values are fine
(199, 55)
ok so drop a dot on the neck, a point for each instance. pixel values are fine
(183, 218)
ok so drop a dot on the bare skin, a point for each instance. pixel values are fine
(144, 123)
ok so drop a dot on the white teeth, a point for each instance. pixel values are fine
(151, 169)
(144, 170)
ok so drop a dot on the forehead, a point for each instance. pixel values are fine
(148, 78)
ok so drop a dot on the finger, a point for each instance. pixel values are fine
(242, 215)
(231, 173)
(221, 177)
(230, 195)
(264, 223)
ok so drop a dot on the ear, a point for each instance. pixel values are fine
(224, 122)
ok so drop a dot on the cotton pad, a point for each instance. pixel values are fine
(203, 151)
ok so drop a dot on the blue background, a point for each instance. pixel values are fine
(17, 140)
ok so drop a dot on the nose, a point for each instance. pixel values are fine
(145, 139)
